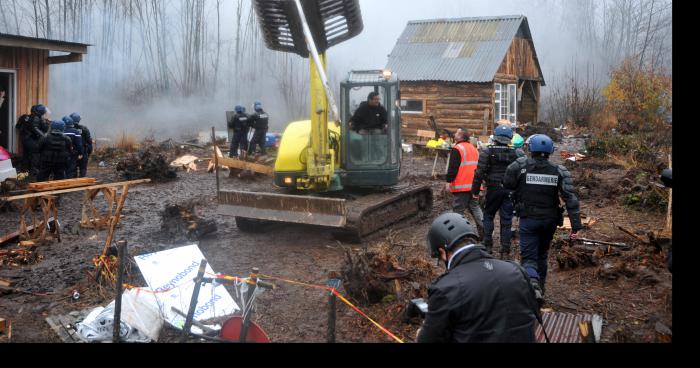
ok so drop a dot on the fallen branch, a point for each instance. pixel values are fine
(633, 235)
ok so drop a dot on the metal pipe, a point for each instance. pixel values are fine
(314, 54)
(248, 305)
(116, 332)
(193, 301)
(216, 159)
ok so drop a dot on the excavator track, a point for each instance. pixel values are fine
(353, 215)
(374, 212)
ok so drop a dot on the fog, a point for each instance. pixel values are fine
(167, 68)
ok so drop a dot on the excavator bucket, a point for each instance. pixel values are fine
(330, 21)
(284, 208)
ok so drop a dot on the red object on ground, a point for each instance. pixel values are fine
(231, 330)
(4, 155)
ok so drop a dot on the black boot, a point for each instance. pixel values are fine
(539, 294)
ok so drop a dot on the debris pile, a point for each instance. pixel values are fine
(149, 163)
(368, 276)
(182, 221)
(642, 191)
(529, 129)
(22, 255)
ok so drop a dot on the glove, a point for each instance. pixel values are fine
(539, 295)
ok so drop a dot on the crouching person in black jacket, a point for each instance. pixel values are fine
(479, 298)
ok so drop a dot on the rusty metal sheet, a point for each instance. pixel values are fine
(284, 208)
(563, 327)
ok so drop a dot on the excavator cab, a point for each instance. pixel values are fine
(372, 159)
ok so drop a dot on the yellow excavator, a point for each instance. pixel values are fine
(325, 173)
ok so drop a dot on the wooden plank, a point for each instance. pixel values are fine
(71, 190)
(61, 184)
(243, 165)
(57, 326)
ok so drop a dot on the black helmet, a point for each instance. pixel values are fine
(448, 229)
(667, 178)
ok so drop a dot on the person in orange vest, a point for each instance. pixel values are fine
(463, 160)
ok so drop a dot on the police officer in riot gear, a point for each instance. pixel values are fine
(493, 162)
(260, 122)
(55, 150)
(538, 185)
(76, 155)
(86, 137)
(31, 129)
(479, 298)
(240, 126)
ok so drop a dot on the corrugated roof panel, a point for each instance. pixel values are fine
(564, 328)
(460, 50)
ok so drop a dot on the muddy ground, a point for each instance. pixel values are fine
(631, 303)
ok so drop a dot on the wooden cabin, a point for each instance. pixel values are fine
(24, 76)
(466, 72)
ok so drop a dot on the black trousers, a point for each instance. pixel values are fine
(58, 170)
(258, 139)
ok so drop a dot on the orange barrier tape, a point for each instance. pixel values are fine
(336, 293)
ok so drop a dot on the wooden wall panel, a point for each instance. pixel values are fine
(453, 105)
(32, 67)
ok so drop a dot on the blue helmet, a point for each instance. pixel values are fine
(58, 125)
(540, 143)
(68, 121)
(39, 110)
(239, 109)
(503, 134)
(258, 106)
(76, 117)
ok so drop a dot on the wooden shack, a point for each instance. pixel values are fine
(466, 72)
(24, 76)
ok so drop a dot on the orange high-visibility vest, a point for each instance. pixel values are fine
(467, 168)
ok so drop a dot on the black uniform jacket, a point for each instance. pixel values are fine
(480, 299)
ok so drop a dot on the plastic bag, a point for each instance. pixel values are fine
(141, 320)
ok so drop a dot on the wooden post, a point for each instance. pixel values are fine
(114, 220)
(669, 214)
(121, 248)
(193, 301)
(334, 284)
(216, 159)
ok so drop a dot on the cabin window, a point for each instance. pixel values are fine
(412, 106)
(505, 106)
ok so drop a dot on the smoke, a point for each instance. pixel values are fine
(168, 68)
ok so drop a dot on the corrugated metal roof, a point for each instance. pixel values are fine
(564, 328)
(457, 50)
